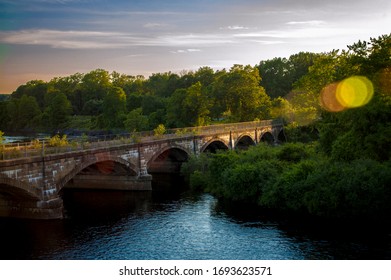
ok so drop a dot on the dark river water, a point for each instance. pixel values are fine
(178, 225)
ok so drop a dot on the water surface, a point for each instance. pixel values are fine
(160, 225)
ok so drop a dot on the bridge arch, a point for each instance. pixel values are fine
(93, 161)
(18, 188)
(244, 141)
(213, 145)
(267, 137)
(281, 137)
(168, 159)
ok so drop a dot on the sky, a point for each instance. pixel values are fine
(43, 39)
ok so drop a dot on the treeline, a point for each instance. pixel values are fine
(346, 173)
(103, 100)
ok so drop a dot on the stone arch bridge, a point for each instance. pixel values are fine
(31, 186)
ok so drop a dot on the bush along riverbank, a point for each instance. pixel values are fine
(295, 178)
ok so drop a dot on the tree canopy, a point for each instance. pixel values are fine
(280, 87)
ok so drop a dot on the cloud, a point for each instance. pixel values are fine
(237, 27)
(63, 39)
(266, 42)
(309, 22)
(186, 51)
(108, 40)
(158, 26)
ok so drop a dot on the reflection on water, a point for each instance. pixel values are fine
(161, 225)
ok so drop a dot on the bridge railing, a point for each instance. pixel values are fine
(40, 148)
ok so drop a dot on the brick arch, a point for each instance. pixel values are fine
(215, 139)
(20, 188)
(89, 162)
(161, 151)
(245, 135)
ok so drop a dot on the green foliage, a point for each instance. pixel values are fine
(114, 108)
(58, 110)
(136, 121)
(239, 95)
(2, 138)
(358, 190)
(24, 113)
(288, 190)
(159, 131)
(79, 122)
(196, 172)
(293, 152)
(57, 141)
(36, 144)
(279, 74)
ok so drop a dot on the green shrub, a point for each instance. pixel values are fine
(293, 152)
(57, 141)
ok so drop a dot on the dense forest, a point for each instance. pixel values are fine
(345, 174)
(113, 101)
(281, 87)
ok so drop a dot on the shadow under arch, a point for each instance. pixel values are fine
(17, 188)
(168, 160)
(101, 165)
(213, 145)
(267, 137)
(244, 142)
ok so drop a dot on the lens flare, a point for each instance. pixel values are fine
(352, 92)
(328, 99)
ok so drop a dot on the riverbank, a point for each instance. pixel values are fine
(298, 180)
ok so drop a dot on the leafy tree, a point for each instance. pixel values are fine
(133, 101)
(29, 112)
(196, 106)
(279, 74)
(4, 115)
(276, 78)
(93, 107)
(24, 113)
(242, 96)
(175, 111)
(136, 121)
(70, 86)
(58, 110)
(35, 88)
(114, 108)
(94, 85)
(162, 84)
(151, 103)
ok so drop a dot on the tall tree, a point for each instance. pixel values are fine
(114, 108)
(35, 88)
(196, 106)
(242, 96)
(70, 86)
(58, 110)
(94, 85)
(136, 121)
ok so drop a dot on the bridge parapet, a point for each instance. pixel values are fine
(42, 148)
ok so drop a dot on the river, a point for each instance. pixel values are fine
(177, 225)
